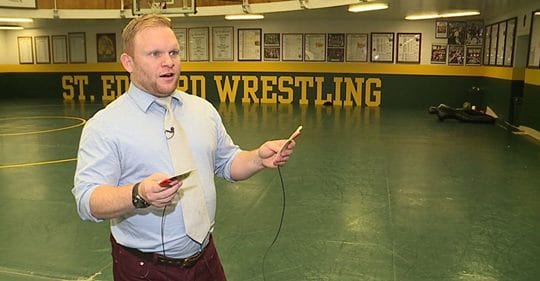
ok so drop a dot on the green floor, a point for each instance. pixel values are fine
(371, 194)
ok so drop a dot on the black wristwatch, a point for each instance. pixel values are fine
(137, 199)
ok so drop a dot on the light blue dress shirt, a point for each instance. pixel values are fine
(125, 142)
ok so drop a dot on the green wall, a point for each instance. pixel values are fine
(529, 114)
(354, 86)
(395, 90)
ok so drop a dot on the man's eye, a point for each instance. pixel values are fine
(155, 54)
(174, 53)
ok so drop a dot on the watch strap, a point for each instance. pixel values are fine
(137, 200)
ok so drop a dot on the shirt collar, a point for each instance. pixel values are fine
(144, 100)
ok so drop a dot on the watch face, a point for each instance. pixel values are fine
(140, 203)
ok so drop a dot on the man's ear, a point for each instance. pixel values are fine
(127, 62)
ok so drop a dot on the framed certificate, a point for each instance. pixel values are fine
(77, 47)
(357, 47)
(533, 59)
(501, 40)
(43, 49)
(409, 47)
(181, 37)
(26, 50)
(249, 44)
(487, 44)
(509, 46)
(493, 45)
(315, 47)
(292, 46)
(198, 42)
(59, 49)
(382, 47)
(223, 43)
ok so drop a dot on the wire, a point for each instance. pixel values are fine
(163, 231)
(280, 223)
(163, 239)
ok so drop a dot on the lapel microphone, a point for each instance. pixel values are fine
(169, 133)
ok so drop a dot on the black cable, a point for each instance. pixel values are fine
(163, 231)
(163, 239)
(280, 223)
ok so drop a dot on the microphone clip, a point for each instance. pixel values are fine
(169, 133)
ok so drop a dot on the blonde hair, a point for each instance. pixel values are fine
(138, 24)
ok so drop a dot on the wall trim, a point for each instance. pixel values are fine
(530, 76)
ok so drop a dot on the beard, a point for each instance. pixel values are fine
(156, 85)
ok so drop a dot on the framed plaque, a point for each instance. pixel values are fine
(272, 40)
(473, 55)
(315, 47)
(456, 32)
(357, 47)
(59, 49)
(26, 50)
(43, 49)
(441, 29)
(409, 47)
(272, 46)
(336, 47)
(335, 54)
(223, 43)
(456, 54)
(438, 53)
(249, 44)
(382, 47)
(292, 47)
(106, 47)
(474, 33)
(198, 42)
(77, 47)
(181, 37)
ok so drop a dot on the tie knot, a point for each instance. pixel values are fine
(165, 102)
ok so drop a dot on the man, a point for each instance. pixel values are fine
(124, 156)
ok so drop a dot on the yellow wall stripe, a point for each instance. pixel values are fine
(532, 76)
(399, 69)
(497, 72)
(102, 67)
(369, 68)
